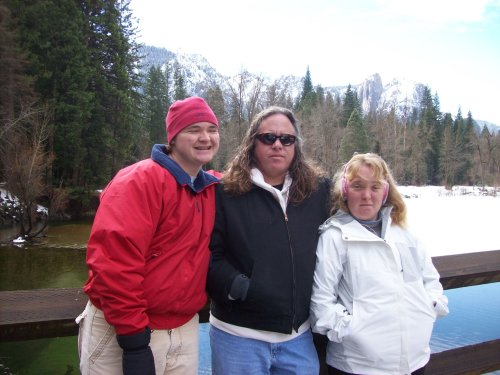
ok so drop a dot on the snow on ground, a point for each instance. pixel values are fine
(461, 220)
(10, 200)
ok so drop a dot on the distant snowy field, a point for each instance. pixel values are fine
(461, 220)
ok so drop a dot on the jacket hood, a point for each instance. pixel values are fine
(202, 180)
(341, 218)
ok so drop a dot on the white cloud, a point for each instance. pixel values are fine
(442, 11)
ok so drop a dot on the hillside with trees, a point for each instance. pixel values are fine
(76, 106)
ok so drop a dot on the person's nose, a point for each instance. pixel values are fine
(277, 144)
(204, 136)
(366, 194)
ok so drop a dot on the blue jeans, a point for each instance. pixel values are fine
(233, 355)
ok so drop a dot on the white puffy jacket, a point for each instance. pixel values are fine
(375, 299)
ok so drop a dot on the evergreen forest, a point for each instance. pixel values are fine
(76, 106)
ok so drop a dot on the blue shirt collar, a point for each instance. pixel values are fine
(202, 180)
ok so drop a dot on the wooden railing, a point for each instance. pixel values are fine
(459, 271)
(45, 313)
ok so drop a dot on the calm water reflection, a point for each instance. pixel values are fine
(59, 262)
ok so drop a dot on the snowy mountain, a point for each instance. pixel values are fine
(370, 93)
(493, 128)
(196, 70)
(401, 94)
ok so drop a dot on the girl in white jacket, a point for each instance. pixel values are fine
(376, 293)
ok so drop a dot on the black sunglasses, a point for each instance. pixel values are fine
(270, 138)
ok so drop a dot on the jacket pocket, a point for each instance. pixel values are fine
(411, 263)
(261, 297)
(96, 341)
(100, 334)
(371, 336)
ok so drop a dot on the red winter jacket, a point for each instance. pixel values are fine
(148, 249)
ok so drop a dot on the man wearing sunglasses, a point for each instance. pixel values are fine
(263, 247)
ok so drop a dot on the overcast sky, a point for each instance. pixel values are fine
(453, 46)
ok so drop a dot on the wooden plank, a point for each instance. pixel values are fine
(45, 313)
(40, 313)
(38, 330)
(466, 360)
(469, 269)
(26, 306)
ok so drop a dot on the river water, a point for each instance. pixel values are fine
(60, 262)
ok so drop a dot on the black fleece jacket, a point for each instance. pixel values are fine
(253, 237)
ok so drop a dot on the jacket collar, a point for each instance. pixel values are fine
(341, 218)
(280, 195)
(202, 180)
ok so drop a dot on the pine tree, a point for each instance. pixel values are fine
(355, 138)
(307, 86)
(16, 89)
(215, 99)
(461, 143)
(59, 64)
(467, 145)
(449, 154)
(320, 94)
(16, 92)
(489, 157)
(115, 114)
(156, 104)
(430, 133)
(485, 155)
(180, 91)
(350, 103)
(495, 160)
(308, 97)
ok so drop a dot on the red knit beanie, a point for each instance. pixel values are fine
(183, 113)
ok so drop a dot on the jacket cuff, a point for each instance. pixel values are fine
(134, 342)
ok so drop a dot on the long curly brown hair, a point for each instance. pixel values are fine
(304, 172)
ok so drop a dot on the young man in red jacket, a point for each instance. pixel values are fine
(148, 254)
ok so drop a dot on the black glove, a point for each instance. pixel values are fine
(239, 288)
(137, 355)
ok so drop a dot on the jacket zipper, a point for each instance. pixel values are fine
(294, 291)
